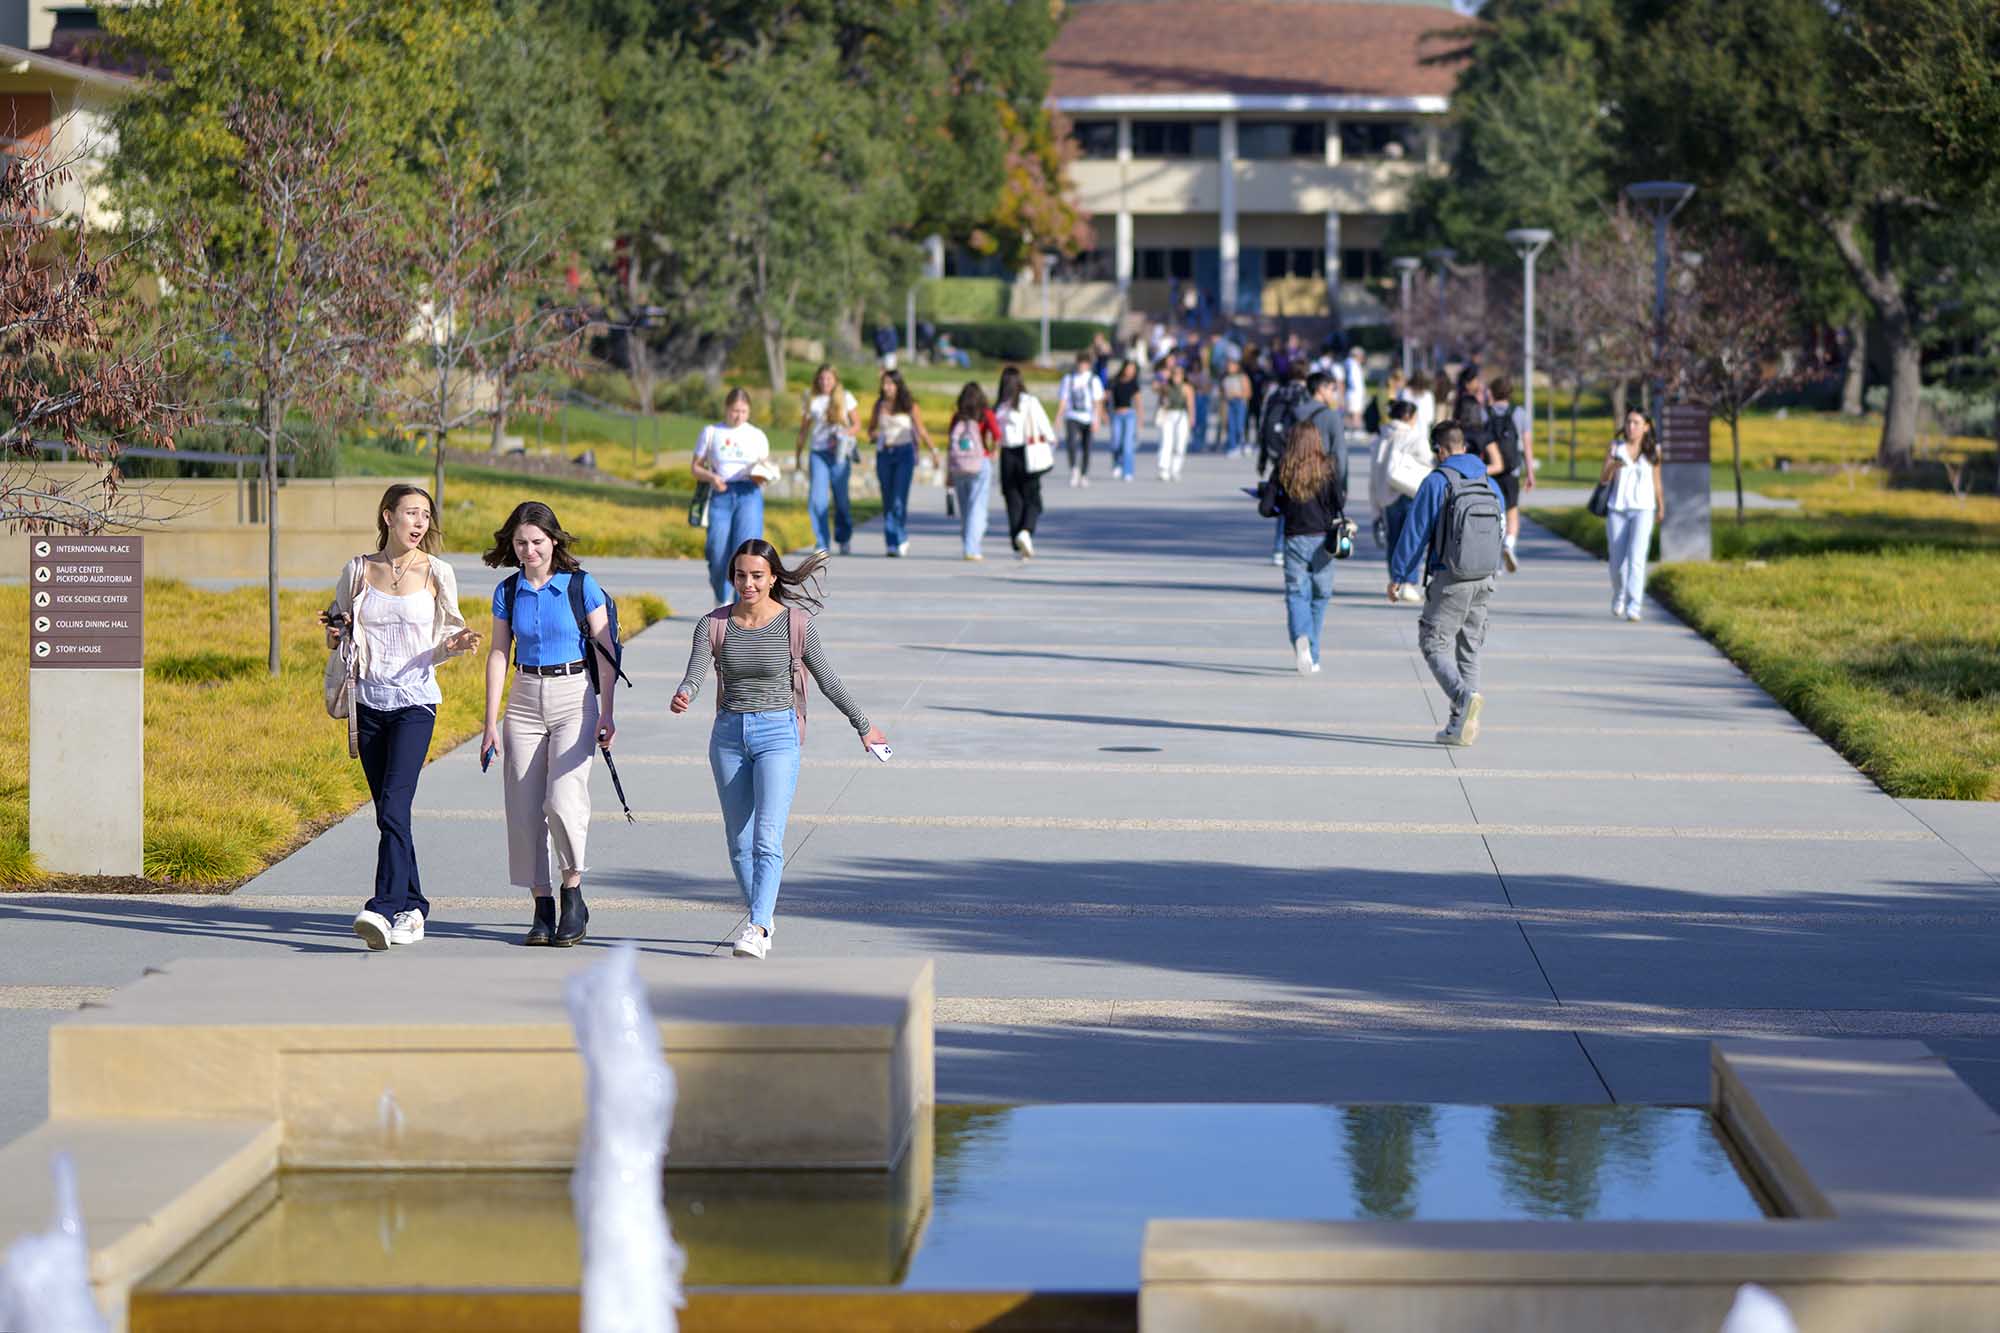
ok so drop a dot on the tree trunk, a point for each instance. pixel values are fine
(847, 333)
(1620, 395)
(774, 362)
(437, 476)
(1906, 384)
(1575, 399)
(639, 368)
(1736, 464)
(274, 416)
(1855, 381)
(499, 415)
(1890, 299)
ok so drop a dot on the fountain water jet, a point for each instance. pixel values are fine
(631, 1266)
(45, 1280)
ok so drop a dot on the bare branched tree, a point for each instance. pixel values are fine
(302, 282)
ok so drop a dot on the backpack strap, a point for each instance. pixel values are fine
(508, 599)
(592, 649)
(718, 630)
(798, 622)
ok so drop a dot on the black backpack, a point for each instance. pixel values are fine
(592, 649)
(1285, 410)
(1500, 430)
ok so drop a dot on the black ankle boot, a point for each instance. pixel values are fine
(575, 916)
(543, 931)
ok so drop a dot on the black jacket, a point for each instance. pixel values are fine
(1308, 517)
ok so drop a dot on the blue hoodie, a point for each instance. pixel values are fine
(1407, 563)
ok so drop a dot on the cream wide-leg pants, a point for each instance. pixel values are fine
(548, 739)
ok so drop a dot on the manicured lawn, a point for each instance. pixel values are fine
(241, 766)
(1873, 615)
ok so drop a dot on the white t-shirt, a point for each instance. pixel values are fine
(1631, 485)
(1357, 385)
(1022, 423)
(1426, 416)
(1080, 394)
(730, 450)
(824, 431)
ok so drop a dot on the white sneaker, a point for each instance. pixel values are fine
(1618, 610)
(754, 942)
(1315, 670)
(373, 928)
(1075, 478)
(1468, 729)
(1027, 545)
(1508, 558)
(407, 928)
(1411, 595)
(1452, 735)
(904, 549)
(1632, 613)
(1084, 482)
(1278, 559)
(1302, 649)
(970, 555)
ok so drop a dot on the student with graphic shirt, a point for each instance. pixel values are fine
(1082, 400)
(829, 423)
(897, 429)
(556, 716)
(734, 457)
(973, 436)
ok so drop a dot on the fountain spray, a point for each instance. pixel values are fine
(45, 1280)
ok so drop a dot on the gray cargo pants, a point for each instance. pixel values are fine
(1451, 631)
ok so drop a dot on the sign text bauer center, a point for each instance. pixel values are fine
(86, 602)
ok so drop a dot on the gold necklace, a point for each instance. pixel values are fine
(396, 584)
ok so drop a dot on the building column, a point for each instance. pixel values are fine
(1228, 241)
(1122, 260)
(1333, 265)
(1332, 141)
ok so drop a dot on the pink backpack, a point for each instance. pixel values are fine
(718, 629)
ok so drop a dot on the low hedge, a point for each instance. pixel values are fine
(1020, 339)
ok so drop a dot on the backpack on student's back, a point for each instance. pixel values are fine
(1469, 528)
(592, 649)
(796, 625)
(967, 455)
(1500, 426)
(1283, 412)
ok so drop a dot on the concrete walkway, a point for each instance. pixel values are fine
(1155, 863)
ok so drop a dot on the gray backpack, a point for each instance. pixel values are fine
(1469, 528)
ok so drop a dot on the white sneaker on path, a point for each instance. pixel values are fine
(407, 927)
(1302, 650)
(373, 928)
(754, 942)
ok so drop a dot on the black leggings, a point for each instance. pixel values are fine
(1076, 435)
(1023, 492)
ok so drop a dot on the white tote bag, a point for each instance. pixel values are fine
(1040, 450)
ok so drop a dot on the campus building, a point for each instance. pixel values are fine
(56, 99)
(1250, 152)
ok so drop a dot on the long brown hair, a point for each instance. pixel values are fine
(536, 514)
(1305, 469)
(798, 586)
(902, 403)
(971, 404)
(836, 397)
(393, 497)
(1009, 391)
(1649, 442)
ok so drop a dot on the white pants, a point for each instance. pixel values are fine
(1173, 443)
(1630, 532)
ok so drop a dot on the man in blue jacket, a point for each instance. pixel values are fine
(1453, 625)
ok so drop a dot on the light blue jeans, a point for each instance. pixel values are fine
(972, 506)
(1308, 588)
(830, 474)
(734, 517)
(895, 468)
(755, 759)
(1237, 419)
(1124, 440)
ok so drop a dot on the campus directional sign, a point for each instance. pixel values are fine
(89, 602)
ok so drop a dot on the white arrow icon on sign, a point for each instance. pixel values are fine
(42, 648)
(41, 548)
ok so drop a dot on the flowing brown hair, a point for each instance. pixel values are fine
(798, 586)
(1305, 469)
(536, 514)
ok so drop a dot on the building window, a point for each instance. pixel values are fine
(1393, 139)
(1096, 138)
(1361, 265)
(1296, 263)
(1282, 139)
(1176, 138)
(1161, 265)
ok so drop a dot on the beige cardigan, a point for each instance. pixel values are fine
(350, 597)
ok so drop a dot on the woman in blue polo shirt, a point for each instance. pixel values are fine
(555, 719)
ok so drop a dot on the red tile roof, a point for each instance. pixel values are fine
(1251, 48)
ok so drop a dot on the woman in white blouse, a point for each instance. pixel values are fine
(1027, 450)
(1637, 501)
(398, 607)
(728, 458)
(830, 423)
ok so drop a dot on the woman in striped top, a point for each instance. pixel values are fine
(753, 750)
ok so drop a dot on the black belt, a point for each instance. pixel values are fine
(563, 669)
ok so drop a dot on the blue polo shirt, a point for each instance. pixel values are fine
(545, 633)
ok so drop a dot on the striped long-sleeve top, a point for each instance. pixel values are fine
(757, 669)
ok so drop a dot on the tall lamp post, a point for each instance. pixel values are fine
(1442, 257)
(1683, 431)
(1405, 265)
(1527, 243)
(1662, 199)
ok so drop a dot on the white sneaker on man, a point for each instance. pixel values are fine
(903, 549)
(1508, 558)
(754, 942)
(1278, 559)
(1026, 542)
(1468, 727)
(1302, 650)
(373, 928)
(407, 927)
(1452, 735)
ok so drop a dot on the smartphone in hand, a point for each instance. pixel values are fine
(881, 751)
(486, 757)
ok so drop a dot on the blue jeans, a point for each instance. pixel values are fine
(393, 744)
(1199, 438)
(972, 506)
(894, 468)
(755, 760)
(1308, 587)
(1124, 440)
(1239, 414)
(734, 517)
(830, 475)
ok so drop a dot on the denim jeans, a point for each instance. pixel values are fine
(1239, 414)
(734, 517)
(830, 474)
(972, 506)
(393, 744)
(894, 468)
(1124, 440)
(1629, 534)
(755, 760)
(1198, 440)
(1308, 587)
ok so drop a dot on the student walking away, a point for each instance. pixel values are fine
(563, 634)
(1354, 374)
(1175, 415)
(1236, 408)
(1508, 462)
(1637, 500)
(973, 438)
(897, 429)
(1401, 462)
(393, 619)
(1082, 399)
(763, 647)
(734, 457)
(1027, 451)
(1323, 410)
(1452, 541)
(828, 426)
(1284, 407)
(1124, 393)
(1307, 496)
